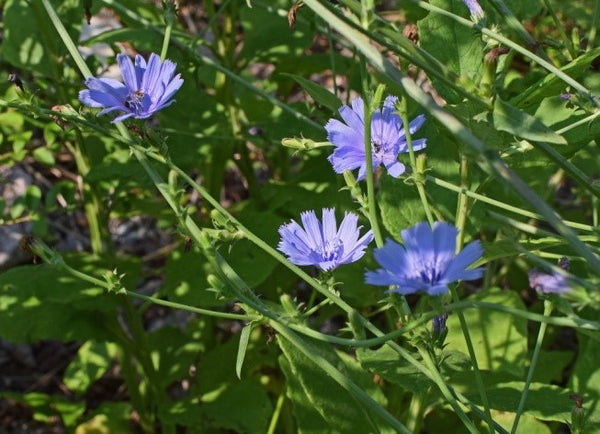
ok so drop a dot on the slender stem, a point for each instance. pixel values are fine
(91, 203)
(416, 410)
(419, 177)
(104, 284)
(558, 25)
(463, 202)
(276, 413)
(586, 120)
(173, 305)
(64, 35)
(368, 113)
(473, 357)
(502, 205)
(131, 379)
(534, 359)
(169, 26)
(429, 363)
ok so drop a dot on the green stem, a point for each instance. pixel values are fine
(276, 413)
(419, 176)
(64, 35)
(91, 202)
(514, 23)
(167, 36)
(104, 284)
(463, 202)
(558, 25)
(473, 357)
(416, 411)
(429, 363)
(586, 120)
(502, 205)
(132, 383)
(534, 359)
(368, 113)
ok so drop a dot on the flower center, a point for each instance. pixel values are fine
(134, 101)
(331, 249)
(429, 274)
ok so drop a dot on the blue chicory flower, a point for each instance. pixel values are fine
(388, 138)
(475, 9)
(427, 261)
(148, 88)
(323, 245)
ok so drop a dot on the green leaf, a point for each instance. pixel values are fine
(453, 44)
(544, 401)
(399, 204)
(499, 340)
(585, 379)
(243, 346)
(551, 85)
(506, 117)
(91, 362)
(44, 302)
(30, 40)
(244, 406)
(311, 390)
(44, 155)
(109, 417)
(557, 114)
(281, 41)
(46, 407)
(254, 265)
(317, 92)
(388, 364)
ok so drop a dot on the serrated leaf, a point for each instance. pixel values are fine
(317, 92)
(506, 117)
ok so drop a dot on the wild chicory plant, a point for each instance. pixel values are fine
(148, 88)
(388, 138)
(323, 245)
(427, 262)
